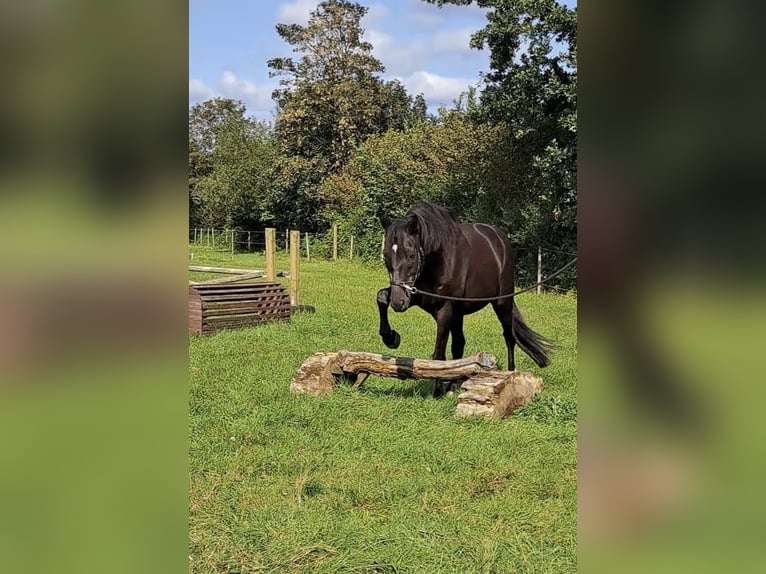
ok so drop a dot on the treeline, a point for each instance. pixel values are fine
(347, 146)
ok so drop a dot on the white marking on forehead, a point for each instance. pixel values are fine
(394, 247)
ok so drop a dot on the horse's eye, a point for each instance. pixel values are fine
(411, 257)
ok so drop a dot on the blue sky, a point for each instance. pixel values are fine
(424, 46)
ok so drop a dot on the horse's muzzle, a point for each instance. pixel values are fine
(400, 299)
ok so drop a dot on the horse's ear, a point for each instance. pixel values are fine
(412, 224)
(385, 221)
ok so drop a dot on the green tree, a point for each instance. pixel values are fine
(330, 100)
(442, 161)
(532, 89)
(419, 110)
(206, 120)
(239, 157)
(399, 110)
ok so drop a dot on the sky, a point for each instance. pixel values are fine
(422, 45)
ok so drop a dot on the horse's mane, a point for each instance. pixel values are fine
(437, 225)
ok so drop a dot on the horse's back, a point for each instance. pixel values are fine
(482, 236)
(489, 259)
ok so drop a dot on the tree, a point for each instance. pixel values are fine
(532, 89)
(206, 120)
(331, 99)
(443, 161)
(232, 159)
(399, 110)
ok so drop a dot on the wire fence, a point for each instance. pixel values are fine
(533, 263)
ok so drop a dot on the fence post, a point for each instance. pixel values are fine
(334, 241)
(382, 245)
(351, 251)
(271, 252)
(308, 252)
(295, 254)
(248, 242)
(287, 239)
(539, 269)
(232, 242)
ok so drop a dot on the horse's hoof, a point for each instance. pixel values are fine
(440, 389)
(392, 340)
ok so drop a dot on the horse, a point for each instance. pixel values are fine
(429, 250)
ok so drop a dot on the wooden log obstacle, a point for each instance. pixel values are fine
(216, 306)
(486, 390)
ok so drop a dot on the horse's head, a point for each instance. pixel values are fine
(404, 259)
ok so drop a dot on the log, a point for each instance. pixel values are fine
(313, 376)
(497, 394)
(346, 365)
(406, 368)
(321, 371)
(230, 271)
(486, 391)
(235, 278)
(226, 270)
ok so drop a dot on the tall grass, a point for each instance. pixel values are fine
(384, 479)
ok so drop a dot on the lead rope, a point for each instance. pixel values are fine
(410, 287)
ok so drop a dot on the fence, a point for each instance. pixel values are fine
(532, 263)
(322, 245)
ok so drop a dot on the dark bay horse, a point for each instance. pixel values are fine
(429, 250)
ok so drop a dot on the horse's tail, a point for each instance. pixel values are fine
(529, 341)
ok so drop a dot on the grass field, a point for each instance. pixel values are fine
(384, 479)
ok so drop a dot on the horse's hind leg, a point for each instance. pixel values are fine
(458, 338)
(444, 322)
(458, 347)
(504, 311)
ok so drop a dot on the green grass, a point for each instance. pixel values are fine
(384, 479)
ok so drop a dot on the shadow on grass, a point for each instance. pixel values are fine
(423, 388)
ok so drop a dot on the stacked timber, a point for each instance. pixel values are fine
(217, 306)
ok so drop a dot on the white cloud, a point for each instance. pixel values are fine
(438, 90)
(296, 12)
(228, 78)
(430, 16)
(378, 39)
(257, 98)
(426, 19)
(452, 41)
(406, 58)
(400, 59)
(376, 13)
(424, 15)
(199, 91)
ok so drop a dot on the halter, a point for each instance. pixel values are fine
(409, 286)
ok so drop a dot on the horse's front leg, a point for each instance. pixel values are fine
(390, 337)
